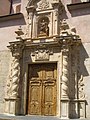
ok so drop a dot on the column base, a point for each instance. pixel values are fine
(65, 108)
(12, 106)
(77, 109)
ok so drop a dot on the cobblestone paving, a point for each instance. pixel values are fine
(4, 117)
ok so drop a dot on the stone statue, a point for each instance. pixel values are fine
(44, 29)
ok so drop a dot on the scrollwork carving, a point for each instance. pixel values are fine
(80, 88)
(42, 55)
(43, 5)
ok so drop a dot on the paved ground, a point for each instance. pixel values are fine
(4, 117)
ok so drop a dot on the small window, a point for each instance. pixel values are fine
(18, 8)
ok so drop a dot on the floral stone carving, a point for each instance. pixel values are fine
(43, 5)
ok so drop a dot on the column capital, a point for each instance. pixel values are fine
(16, 48)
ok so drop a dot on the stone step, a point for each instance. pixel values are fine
(5, 117)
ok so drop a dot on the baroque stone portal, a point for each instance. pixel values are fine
(44, 66)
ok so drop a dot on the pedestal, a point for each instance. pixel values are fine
(65, 109)
(12, 106)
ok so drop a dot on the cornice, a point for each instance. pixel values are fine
(81, 5)
(11, 17)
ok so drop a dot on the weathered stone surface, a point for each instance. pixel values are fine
(76, 74)
(4, 71)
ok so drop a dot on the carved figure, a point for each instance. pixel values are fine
(44, 29)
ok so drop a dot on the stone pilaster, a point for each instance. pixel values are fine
(30, 11)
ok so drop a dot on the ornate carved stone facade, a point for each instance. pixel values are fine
(48, 40)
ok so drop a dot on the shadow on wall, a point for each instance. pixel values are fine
(25, 63)
(63, 13)
(77, 96)
(79, 9)
(83, 56)
(12, 20)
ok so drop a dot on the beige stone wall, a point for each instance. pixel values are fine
(7, 34)
(7, 31)
(4, 71)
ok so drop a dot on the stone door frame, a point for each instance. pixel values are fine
(58, 87)
(42, 82)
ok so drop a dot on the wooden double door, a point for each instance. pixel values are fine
(42, 89)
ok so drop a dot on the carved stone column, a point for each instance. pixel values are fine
(12, 101)
(65, 85)
(65, 72)
(15, 76)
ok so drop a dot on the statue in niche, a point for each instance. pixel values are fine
(43, 27)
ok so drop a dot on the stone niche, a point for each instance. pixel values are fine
(47, 40)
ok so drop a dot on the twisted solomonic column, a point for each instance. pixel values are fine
(16, 49)
(15, 77)
(65, 75)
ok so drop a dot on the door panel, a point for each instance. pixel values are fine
(49, 98)
(35, 98)
(42, 89)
